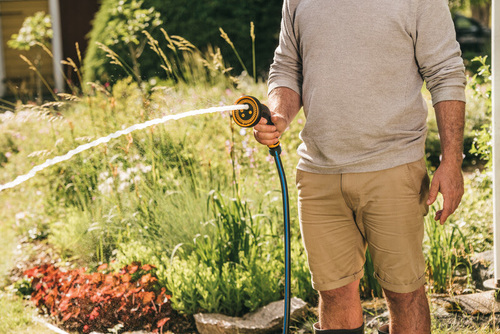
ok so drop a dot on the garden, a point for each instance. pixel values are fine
(184, 217)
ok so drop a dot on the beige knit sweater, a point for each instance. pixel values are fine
(359, 66)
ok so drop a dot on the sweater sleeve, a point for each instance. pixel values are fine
(437, 51)
(286, 69)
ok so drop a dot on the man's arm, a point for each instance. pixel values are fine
(284, 104)
(285, 80)
(438, 56)
(448, 179)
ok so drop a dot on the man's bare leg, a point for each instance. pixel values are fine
(409, 312)
(340, 308)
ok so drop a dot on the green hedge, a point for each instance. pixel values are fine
(198, 22)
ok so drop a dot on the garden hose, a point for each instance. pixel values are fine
(249, 118)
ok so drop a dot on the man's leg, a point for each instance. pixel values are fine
(340, 308)
(335, 251)
(409, 312)
(391, 217)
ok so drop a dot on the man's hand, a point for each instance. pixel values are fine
(270, 134)
(284, 104)
(447, 180)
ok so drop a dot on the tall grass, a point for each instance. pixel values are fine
(445, 249)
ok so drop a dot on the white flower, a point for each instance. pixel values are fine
(146, 169)
(132, 170)
(104, 175)
(124, 175)
(123, 186)
(20, 215)
(106, 187)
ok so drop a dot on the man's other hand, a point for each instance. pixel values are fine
(449, 181)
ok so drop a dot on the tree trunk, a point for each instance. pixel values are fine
(482, 13)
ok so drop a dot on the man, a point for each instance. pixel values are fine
(357, 68)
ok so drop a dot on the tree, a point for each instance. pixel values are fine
(480, 9)
(36, 32)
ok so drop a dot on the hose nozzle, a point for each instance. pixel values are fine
(250, 117)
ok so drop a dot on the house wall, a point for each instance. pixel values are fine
(20, 80)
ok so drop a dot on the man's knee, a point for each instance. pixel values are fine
(344, 293)
(407, 297)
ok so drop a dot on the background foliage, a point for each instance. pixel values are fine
(198, 22)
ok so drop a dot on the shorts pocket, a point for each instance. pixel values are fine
(298, 176)
(416, 175)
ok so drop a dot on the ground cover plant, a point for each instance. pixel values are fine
(197, 199)
(97, 301)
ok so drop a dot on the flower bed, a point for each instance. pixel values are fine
(130, 298)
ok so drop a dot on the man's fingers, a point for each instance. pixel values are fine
(266, 135)
(446, 212)
(438, 215)
(264, 128)
(449, 206)
(433, 192)
(269, 134)
(267, 138)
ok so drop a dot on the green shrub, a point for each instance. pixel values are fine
(233, 289)
(35, 31)
(482, 88)
(75, 236)
(233, 269)
(198, 22)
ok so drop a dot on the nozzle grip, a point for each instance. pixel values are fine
(266, 113)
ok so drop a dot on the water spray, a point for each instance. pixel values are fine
(53, 161)
(248, 118)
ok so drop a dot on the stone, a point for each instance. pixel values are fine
(451, 318)
(377, 321)
(483, 303)
(482, 268)
(265, 320)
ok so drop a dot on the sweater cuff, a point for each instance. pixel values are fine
(283, 83)
(448, 94)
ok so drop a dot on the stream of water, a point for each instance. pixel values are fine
(50, 162)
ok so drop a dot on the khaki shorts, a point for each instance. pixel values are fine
(341, 214)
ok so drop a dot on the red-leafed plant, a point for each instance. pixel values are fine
(99, 301)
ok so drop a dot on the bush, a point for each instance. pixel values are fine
(198, 22)
(226, 271)
(130, 299)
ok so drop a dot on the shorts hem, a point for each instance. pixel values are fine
(339, 283)
(401, 288)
